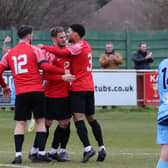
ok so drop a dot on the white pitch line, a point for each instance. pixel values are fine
(14, 166)
(112, 153)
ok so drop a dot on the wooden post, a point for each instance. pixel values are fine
(128, 49)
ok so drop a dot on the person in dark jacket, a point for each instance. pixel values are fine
(142, 58)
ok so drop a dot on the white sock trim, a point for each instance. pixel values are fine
(53, 151)
(18, 154)
(87, 149)
(42, 152)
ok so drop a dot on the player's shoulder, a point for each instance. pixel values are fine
(5, 56)
(78, 45)
(35, 48)
(163, 62)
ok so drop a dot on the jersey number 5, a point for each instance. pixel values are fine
(18, 63)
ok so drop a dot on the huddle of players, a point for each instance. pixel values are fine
(66, 69)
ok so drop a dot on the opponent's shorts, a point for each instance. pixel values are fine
(28, 103)
(58, 108)
(162, 134)
(82, 102)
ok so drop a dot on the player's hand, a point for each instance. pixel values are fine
(68, 77)
(40, 45)
(7, 39)
(67, 71)
(6, 91)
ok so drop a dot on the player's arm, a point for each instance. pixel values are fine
(61, 52)
(5, 89)
(41, 59)
(51, 68)
(3, 65)
(2, 82)
(52, 77)
(65, 52)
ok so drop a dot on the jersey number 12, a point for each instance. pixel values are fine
(18, 63)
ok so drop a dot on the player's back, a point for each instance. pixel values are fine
(163, 91)
(22, 60)
(163, 80)
(82, 67)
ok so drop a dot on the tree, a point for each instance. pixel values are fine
(43, 14)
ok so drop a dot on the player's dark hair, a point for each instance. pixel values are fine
(24, 30)
(55, 30)
(79, 29)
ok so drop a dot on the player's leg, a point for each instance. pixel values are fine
(38, 108)
(162, 139)
(64, 122)
(22, 113)
(53, 152)
(96, 128)
(51, 109)
(78, 101)
(97, 132)
(35, 147)
(163, 162)
(61, 134)
(19, 138)
(49, 113)
(65, 125)
(48, 124)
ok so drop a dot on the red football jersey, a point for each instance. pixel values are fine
(55, 87)
(81, 65)
(23, 61)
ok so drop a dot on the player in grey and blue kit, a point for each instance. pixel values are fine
(162, 119)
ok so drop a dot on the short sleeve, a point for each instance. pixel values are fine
(49, 57)
(76, 48)
(40, 55)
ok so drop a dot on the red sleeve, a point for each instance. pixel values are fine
(52, 77)
(4, 61)
(61, 52)
(40, 55)
(51, 68)
(2, 82)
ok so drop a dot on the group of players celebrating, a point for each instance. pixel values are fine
(68, 91)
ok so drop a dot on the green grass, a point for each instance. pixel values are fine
(129, 135)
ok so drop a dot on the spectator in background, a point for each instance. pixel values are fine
(110, 59)
(142, 58)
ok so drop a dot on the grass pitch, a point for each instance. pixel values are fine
(129, 135)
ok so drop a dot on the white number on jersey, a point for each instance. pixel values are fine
(89, 67)
(66, 65)
(18, 64)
